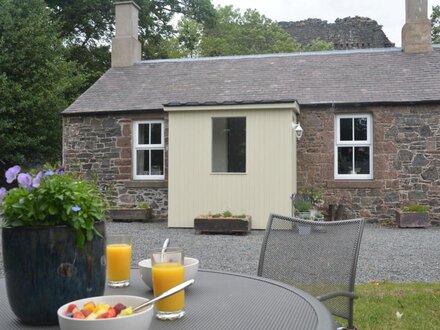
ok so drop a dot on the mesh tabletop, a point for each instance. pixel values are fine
(222, 301)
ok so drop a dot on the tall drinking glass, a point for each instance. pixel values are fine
(168, 271)
(118, 260)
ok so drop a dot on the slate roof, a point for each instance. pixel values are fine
(355, 77)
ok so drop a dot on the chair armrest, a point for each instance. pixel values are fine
(334, 294)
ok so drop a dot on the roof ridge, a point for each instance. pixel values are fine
(254, 56)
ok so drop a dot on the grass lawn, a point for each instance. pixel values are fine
(379, 303)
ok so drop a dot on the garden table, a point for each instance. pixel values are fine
(220, 300)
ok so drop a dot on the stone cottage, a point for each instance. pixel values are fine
(192, 136)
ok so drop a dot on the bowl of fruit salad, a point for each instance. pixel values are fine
(105, 313)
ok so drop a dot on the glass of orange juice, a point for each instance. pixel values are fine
(118, 250)
(167, 270)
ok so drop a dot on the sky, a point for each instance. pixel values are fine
(388, 13)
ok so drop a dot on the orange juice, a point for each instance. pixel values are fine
(118, 262)
(166, 276)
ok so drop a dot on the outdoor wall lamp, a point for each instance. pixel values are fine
(298, 130)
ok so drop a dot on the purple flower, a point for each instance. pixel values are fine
(37, 179)
(11, 173)
(2, 194)
(76, 208)
(49, 173)
(25, 180)
(60, 170)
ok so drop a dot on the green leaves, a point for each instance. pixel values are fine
(60, 199)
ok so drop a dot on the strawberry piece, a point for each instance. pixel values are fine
(111, 312)
(78, 315)
(70, 309)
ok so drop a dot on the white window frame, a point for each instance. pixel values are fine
(137, 146)
(367, 143)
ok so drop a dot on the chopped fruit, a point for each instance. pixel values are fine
(85, 312)
(127, 311)
(119, 307)
(78, 315)
(111, 312)
(90, 306)
(92, 316)
(90, 311)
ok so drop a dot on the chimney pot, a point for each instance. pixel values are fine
(416, 33)
(126, 48)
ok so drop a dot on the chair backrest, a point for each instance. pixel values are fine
(316, 256)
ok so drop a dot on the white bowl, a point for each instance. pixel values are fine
(191, 266)
(138, 321)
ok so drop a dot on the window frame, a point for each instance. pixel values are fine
(212, 144)
(363, 143)
(137, 147)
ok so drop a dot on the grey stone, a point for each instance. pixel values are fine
(416, 195)
(430, 174)
(405, 155)
(420, 160)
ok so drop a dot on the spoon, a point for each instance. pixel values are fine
(167, 293)
(164, 248)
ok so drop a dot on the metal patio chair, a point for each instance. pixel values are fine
(316, 256)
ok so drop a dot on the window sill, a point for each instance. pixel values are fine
(356, 184)
(146, 184)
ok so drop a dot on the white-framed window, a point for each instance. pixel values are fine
(148, 150)
(229, 145)
(353, 146)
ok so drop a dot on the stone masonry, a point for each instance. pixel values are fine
(346, 33)
(101, 146)
(406, 161)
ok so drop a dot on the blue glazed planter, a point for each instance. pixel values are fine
(44, 269)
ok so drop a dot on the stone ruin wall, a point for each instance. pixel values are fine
(406, 161)
(346, 33)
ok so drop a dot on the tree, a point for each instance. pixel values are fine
(317, 45)
(87, 26)
(435, 24)
(250, 33)
(36, 83)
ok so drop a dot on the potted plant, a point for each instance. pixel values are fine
(53, 242)
(141, 212)
(412, 216)
(303, 208)
(225, 222)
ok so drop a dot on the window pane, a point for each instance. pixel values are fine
(237, 145)
(345, 160)
(144, 134)
(156, 162)
(143, 162)
(346, 129)
(360, 129)
(156, 133)
(362, 160)
(229, 145)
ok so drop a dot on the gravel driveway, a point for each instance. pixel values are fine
(391, 254)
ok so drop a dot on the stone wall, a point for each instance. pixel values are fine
(100, 146)
(346, 33)
(406, 160)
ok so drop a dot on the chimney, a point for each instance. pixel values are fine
(416, 33)
(126, 48)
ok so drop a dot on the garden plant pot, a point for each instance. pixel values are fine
(45, 269)
(223, 225)
(412, 219)
(131, 214)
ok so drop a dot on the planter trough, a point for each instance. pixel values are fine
(223, 225)
(412, 219)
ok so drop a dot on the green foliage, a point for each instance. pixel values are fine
(303, 206)
(249, 33)
(36, 83)
(435, 24)
(59, 199)
(415, 208)
(311, 194)
(227, 214)
(384, 306)
(318, 45)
